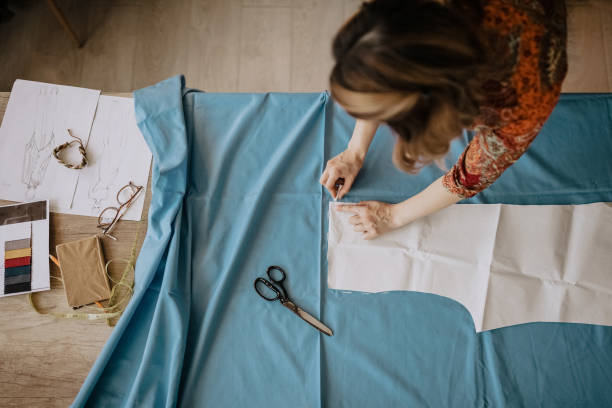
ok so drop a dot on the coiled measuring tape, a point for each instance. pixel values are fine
(116, 306)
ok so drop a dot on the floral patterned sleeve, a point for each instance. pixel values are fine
(515, 109)
(490, 152)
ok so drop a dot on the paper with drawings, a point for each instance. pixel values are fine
(506, 264)
(36, 120)
(118, 154)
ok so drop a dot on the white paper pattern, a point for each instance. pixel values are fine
(506, 264)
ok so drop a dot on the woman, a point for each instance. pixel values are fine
(428, 69)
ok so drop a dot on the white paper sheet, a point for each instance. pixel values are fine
(506, 264)
(117, 155)
(36, 121)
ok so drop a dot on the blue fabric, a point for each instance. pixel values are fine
(235, 189)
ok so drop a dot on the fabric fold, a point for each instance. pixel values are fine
(154, 318)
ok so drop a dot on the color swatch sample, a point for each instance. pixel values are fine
(18, 262)
(24, 248)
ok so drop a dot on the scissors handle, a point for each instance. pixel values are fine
(270, 286)
(276, 275)
(280, 270)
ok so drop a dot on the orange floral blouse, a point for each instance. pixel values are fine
(515, 108)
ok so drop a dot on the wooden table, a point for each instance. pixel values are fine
(44, 360)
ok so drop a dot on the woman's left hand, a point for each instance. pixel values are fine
(371, 218)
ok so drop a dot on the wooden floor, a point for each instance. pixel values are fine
(220, 45)
(226, 45)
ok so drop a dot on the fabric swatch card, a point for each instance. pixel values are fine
(24, 240)
(18, 259)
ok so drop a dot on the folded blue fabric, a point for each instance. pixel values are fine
(235, 189)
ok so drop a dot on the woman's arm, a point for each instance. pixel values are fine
(432, 199)
(362, 137)
(373, 218)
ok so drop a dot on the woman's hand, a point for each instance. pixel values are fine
(346, 165)
(372, 218)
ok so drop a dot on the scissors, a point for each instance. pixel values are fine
(338, 185)
(276, 286)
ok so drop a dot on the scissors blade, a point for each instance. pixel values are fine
(308, 318)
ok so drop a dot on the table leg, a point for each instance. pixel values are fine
(60, 17)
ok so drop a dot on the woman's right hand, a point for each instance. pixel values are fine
(345, 166)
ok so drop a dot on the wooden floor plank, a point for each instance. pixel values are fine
(311, 59)
(605, 9)
(266, 3)
(265, 41)
(162, 35)
(213, 60)
(57, 61)
(17, 45)
(109, 52)
(585, 50)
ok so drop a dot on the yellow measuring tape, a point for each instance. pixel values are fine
(115, 306)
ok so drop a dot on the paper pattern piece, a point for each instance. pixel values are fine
(24, 243)
(36, 120)
(507, 264)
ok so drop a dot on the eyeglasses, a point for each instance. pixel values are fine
(109, 216)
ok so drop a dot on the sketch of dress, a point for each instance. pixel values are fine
(37, 118)
(35, 162)
(100, 192)
(110, 138)
(39, 148)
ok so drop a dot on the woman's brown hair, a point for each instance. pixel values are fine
(417, 65)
